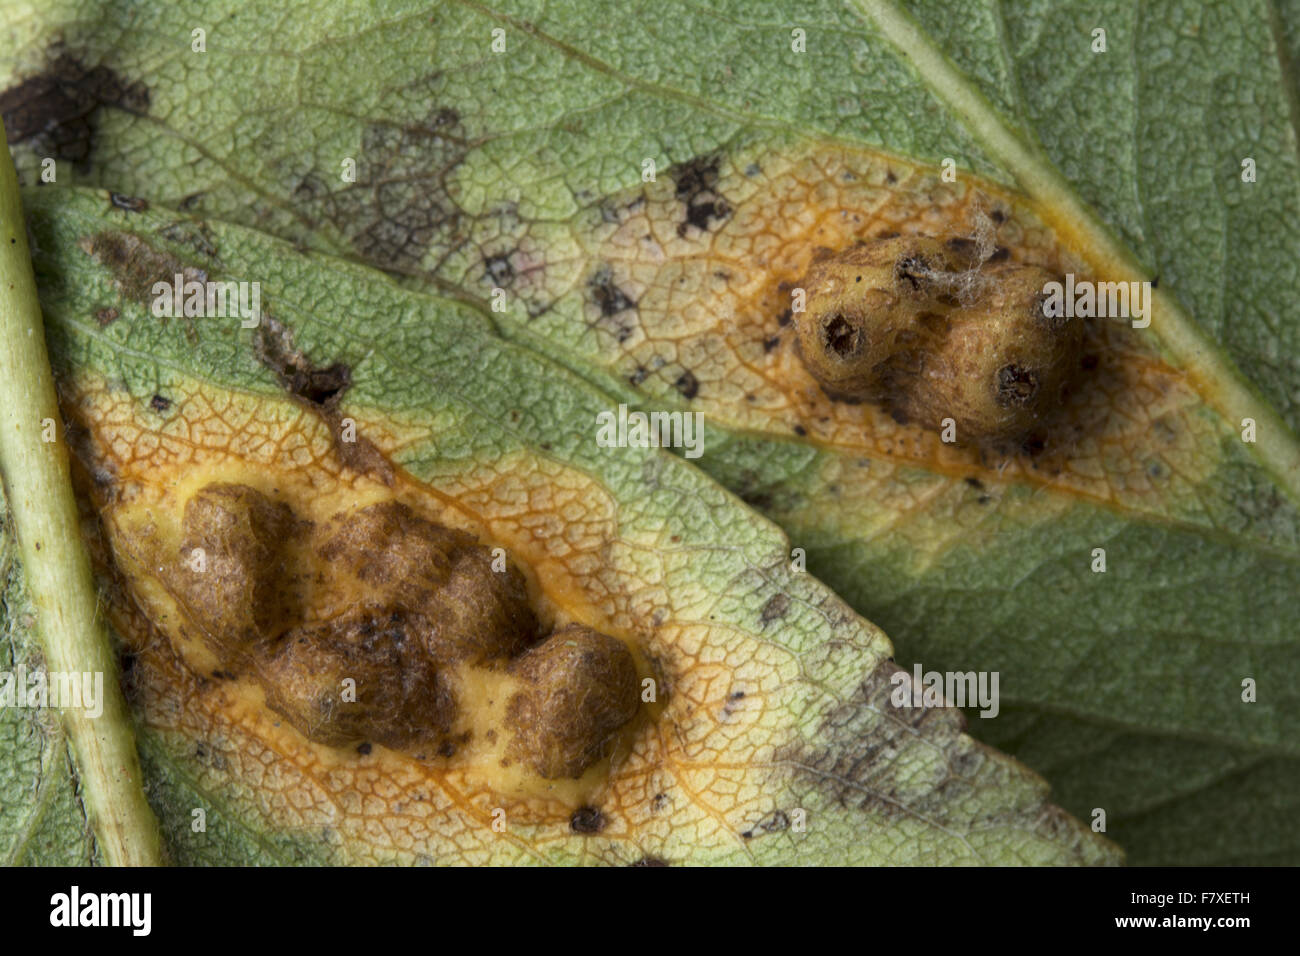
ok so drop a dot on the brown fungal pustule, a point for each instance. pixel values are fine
(862, 307)
(460, 606)
(1002, 366)
(927, 331)
(480, 613)
(233, 570)
(365, 676)
(579, 687)
(370, 626)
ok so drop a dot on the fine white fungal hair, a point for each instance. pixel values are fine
(969, 285)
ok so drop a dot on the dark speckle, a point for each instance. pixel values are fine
(320, 386)
(1016, 386)
(962, 245)
(128, 203)
(774, 609)
(608, 297)
(160, 404)
(687, 384)
(1034, 445)
(650, 861)
(499, 270)
(587, 820)
(774, 822)
(697, 182)
(363, 749)
(800, 430)
(58, 109)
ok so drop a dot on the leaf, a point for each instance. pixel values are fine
(42, 820)
(773, 738)
(76, 651)
(524, 171)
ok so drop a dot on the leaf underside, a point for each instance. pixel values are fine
(523, 171)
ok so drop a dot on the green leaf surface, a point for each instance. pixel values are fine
(42, 821)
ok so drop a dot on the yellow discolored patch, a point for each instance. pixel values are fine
(702, 269)
(679, 761)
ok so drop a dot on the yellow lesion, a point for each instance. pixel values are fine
(1134, 434)
(140, 467)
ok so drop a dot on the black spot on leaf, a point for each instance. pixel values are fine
(587, 820)
(608, 297)
(57, 110)
(320, 386)
(696, 187)
(614, 305)
(498, 269)
(774, 609)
